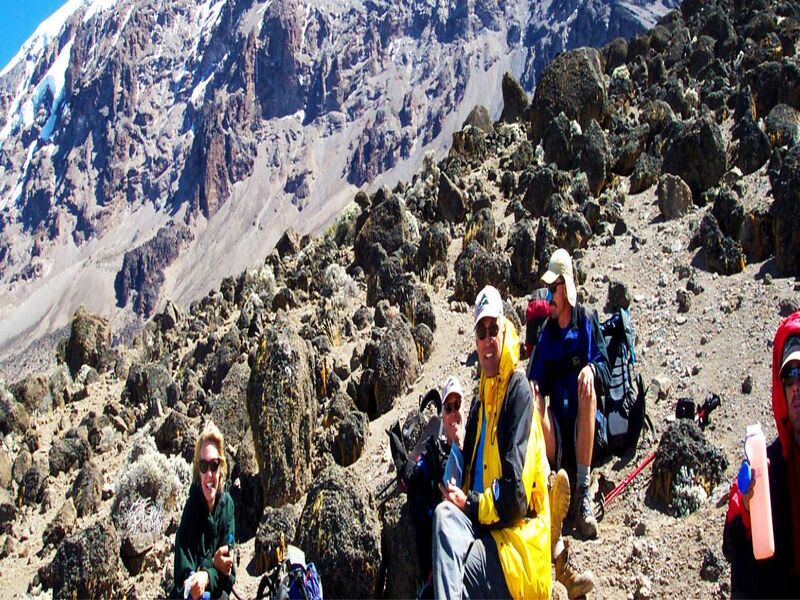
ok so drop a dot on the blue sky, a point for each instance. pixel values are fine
(18, 20)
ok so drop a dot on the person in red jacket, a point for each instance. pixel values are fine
(779, 576)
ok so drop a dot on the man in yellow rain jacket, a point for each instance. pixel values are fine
(491, 536)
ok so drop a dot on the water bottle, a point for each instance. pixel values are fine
(755, 446)
(232, 547)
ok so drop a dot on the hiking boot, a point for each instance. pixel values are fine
(567, 574)
(558, 494)
(584, 514)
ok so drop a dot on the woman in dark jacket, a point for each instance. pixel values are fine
(203, 558)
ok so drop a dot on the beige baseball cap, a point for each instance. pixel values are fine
(560, 265)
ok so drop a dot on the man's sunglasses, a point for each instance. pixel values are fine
(481, 330)
(554, 286)
(212, 464)
(791, 376)
(451, 407)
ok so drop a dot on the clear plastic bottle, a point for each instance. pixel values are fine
(755, 446)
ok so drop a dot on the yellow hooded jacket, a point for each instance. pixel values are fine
(514, 504)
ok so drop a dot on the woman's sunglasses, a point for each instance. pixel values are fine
(212, 464)
(481, 330)
(451, 407)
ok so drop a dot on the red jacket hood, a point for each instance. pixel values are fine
(789, 326)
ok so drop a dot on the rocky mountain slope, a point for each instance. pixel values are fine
(667, 165)
(139, 137)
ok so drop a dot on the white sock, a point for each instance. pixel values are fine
(582, 480)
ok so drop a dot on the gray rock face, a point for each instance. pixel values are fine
(386, 225)
(150, 390)
(176, 436)
(340, 531)
(674, 196)
(67, 452)
(282, 407)
(61, 526)
(451, 203)
(351, 437)
(142, 273)
(229, 408)
(86, 565)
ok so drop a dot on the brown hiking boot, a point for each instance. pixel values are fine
(558, 494)
(567, 574)
(584, 514)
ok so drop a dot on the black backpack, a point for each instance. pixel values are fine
(623, 403)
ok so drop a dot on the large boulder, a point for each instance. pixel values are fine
(645, 173)
(246, 491)
(276, 530)
(8, 511)
(390, 366)
(782, 126)
(558, 139)
(89, 342)
(87, 490)
(31, 489)
(540, 185)
(522, 243)
(13, 416)
(756, 235)
(61, 526)
(351, 437)
(86, 565)
(674, 196)
(176, 436)
(723, 254)
(34, 393)
(595, 158)
(432, 250)
(387, 225)
(515, 100)
(752, 147)
(229, 408)
(786, 215)
(67, 452)
(282, 407)
(149, 389)
(686, 469)
(340, 532)
(481, 228)
(403, 572)
(573, 83)
(451, 203)
(224, 357)
(476, 268)
(696, 153)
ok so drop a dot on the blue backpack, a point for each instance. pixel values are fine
(623, 413)
(291, 579)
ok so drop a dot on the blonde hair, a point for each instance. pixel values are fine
(211, 434)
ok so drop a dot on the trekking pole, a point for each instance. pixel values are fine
(605, 500)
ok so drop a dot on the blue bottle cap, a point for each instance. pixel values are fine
(745, 477)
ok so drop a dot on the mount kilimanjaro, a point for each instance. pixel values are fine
(147, 148)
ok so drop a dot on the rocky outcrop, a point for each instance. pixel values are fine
(785, 211)
(696, 153)
(89, 342)
(86, 565)
(340, 532)
(282, 407)
(573, 84)
(141, 276)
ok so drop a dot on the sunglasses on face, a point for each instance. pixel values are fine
(481, 330)
(212, 464)
(791, 376)
(554, 286)
(451, 407)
